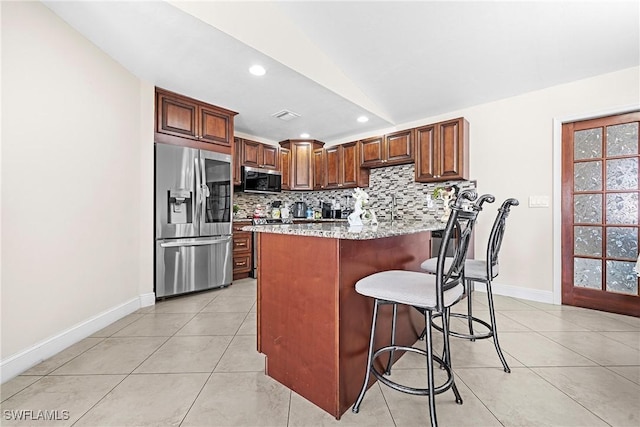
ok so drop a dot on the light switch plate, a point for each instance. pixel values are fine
(538, 201)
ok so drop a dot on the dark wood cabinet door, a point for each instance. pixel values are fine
(372, 152)
(398, 147)
(442, 151)
(425, 150)
(258, 155)
(302, 163)
(237, 161)
(269, 157)
(302, 170)
(285, 168)
(319, 173)
(176, 116)
(333, 167)
(351, 171)
(452, 148)
(215, 127)
(251, 153)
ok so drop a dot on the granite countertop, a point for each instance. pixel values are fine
(297, 220)
(342, 230)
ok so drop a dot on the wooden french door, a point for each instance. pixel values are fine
(600, 219)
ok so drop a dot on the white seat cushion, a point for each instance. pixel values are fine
(406, 287)
(474, 269)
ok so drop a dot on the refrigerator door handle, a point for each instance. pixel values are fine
(196, 243)
(202, 187)
(196, 171)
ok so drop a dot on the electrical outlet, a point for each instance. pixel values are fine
(538, 201)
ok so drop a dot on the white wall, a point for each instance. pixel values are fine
(511, 155)
(77, 174)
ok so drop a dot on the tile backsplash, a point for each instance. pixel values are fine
(411, 196)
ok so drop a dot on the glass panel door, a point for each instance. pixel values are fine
(600, 213)
(217, 194)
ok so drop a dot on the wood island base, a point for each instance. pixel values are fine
(313, 326)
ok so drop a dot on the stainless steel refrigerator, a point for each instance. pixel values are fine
(193, 214)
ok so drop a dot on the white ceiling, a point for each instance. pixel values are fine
(329, 61)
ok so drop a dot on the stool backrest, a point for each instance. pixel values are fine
(460, 225)
(496, 236)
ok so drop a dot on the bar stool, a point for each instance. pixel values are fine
(431, 294)
(483, 271)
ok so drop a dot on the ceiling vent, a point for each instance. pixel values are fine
(285, 115)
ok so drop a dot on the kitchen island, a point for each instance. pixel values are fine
(313, 327)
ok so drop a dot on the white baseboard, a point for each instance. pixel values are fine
(147, 299)
(20, 362)
(517, 292)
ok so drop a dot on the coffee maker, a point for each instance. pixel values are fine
(299, 210)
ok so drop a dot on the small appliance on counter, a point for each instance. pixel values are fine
(346, 210)
(331, 210)
(326, 209)
(275, 209)
(299, 210)
(284, 212)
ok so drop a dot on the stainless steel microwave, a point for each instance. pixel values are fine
(256, 180)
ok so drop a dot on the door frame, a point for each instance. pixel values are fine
(557, 186)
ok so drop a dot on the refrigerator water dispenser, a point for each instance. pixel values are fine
(180, 207)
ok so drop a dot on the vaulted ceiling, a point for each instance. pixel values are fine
(332, 61)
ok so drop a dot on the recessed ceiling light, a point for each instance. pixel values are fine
(257, 70)
(304, 135)
(363, 119)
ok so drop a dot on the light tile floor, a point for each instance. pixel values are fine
(192, 361)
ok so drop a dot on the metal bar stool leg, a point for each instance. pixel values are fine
(494, 332)
(446, 357)
(469, 284)
(393, 339)
(430, 382)
(367, 374)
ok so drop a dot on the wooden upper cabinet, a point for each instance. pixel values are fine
(237, 164)
(442, 151)
(342, 167)
(318, 169)
(258, 155)
(332, 167)
(186, 121)
(387, 150)
(214, 125)
(250, 153)
(399, 147)
(352, 174)
(270, 156)
(301, 174)
(372, 152)
(285, 168)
